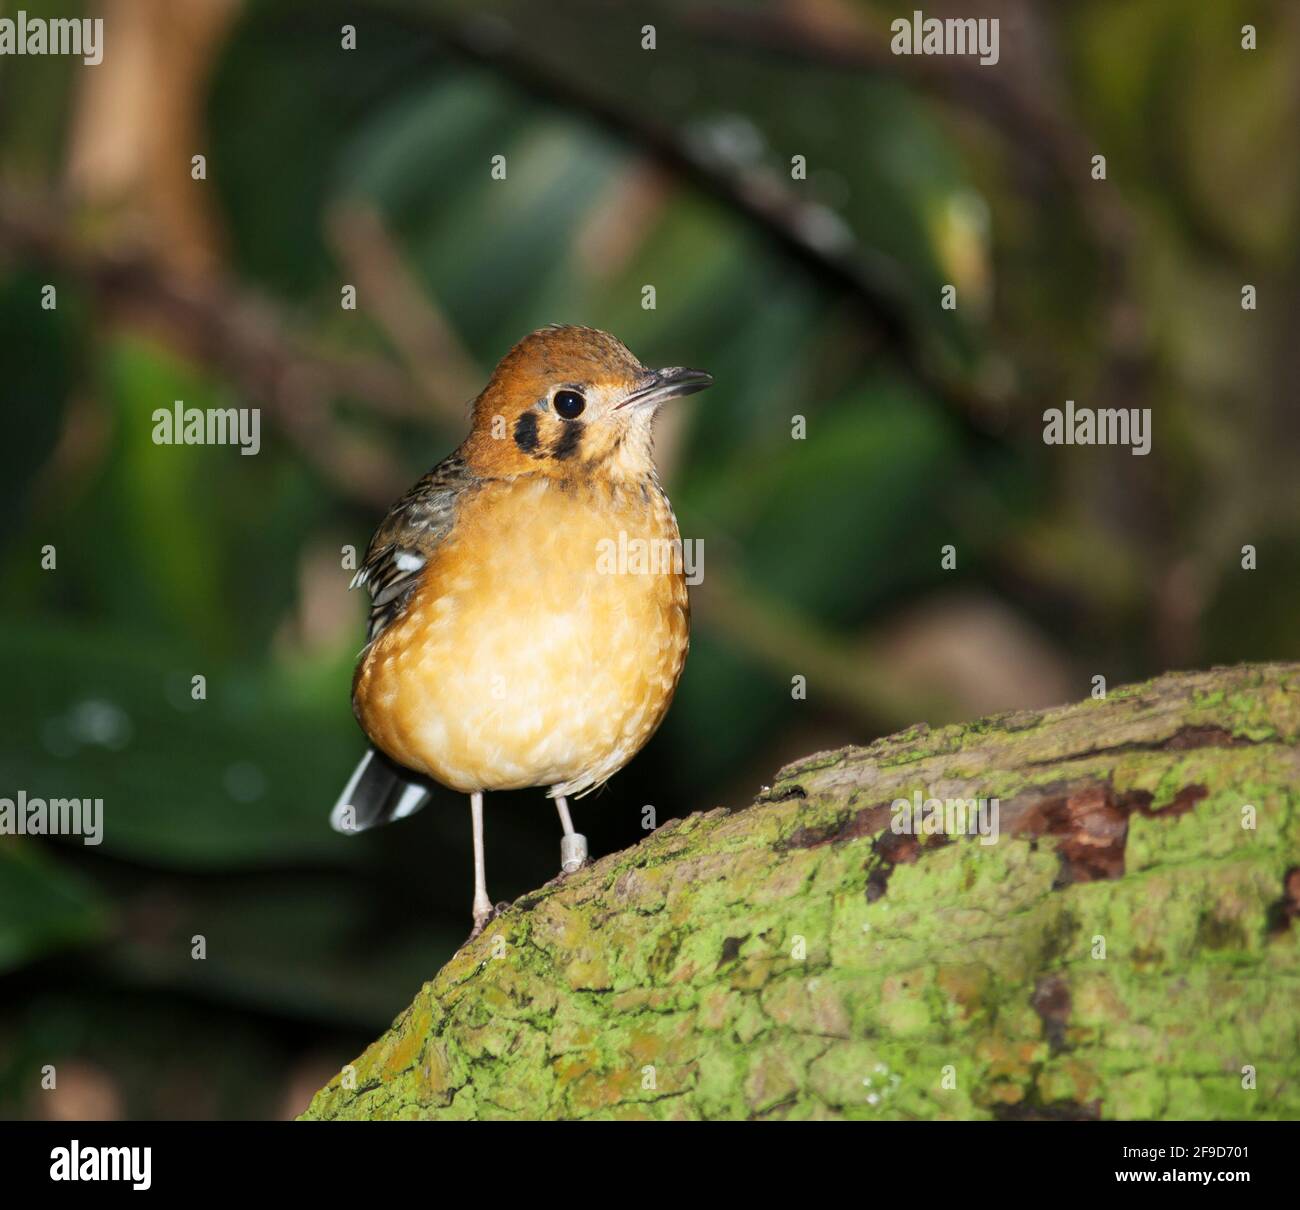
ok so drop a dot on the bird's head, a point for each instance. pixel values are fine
(569, 401)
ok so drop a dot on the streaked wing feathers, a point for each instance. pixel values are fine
(406, 540)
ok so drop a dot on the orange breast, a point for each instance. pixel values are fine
(543, 645)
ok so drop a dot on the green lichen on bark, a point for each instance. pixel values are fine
(798, 959)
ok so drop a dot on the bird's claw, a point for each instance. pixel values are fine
(482, 920)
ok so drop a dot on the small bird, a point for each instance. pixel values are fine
(507, 646)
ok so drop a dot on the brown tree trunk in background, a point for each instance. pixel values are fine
(1126, 948)
(139, 120)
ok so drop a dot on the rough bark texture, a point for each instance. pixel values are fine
(799, 959)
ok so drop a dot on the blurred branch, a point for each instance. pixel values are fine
(1031, 123)
(420, 331)
(1036, 128)
(811, 234)
(235, 332)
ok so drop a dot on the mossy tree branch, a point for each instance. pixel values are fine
(1125, 949)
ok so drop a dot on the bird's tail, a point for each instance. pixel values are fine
(379, 791)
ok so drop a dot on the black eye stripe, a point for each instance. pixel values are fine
(526, 432)
(570, 440)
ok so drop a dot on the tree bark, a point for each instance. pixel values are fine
(1126, 948)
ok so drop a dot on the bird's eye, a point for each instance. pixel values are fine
(569, 404)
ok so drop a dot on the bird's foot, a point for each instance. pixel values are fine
(483, 917)
(573, 852)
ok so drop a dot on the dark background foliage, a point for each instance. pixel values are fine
(816, 298)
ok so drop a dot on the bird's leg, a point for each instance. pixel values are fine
(573, 845)
(483, 909)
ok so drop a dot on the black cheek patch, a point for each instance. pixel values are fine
(526, 432)
(570, 440)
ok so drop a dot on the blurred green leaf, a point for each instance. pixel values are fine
(35, 386)
(240, 779)
(42, 907)
(882, 447)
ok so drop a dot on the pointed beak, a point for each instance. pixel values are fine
(662, 385)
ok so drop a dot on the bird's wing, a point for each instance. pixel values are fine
(407, 539)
